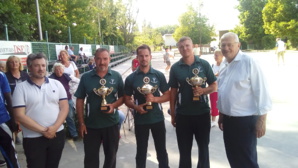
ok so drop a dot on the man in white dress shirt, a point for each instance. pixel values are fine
(243, 102)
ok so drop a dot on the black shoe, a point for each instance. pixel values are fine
(2, 163)
(76, 138)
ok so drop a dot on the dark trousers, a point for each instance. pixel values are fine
(42, 152)
(240, 141)
(158, 131)
(186, 128)
(109, 137)
(7, 147)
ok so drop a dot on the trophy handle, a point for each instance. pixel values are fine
(187, 80)
(110, 90)
(140, 90)
(154, 89)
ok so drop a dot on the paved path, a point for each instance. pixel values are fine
(277, 149)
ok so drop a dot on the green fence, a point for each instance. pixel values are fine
(50, 49)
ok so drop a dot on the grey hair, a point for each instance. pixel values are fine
(182, 39)
(33, 56)
(230, 34)
(57, 64)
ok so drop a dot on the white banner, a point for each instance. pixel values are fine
(15, 48)
(112, 50)
(87, 49)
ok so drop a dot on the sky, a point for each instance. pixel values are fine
(221, 13)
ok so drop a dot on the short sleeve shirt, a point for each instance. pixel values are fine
(178, 75)
(135, 81)
(41, 103)
(71, 68)
(4, 116)
(94, 117)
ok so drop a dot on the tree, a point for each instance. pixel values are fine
(167, 29)
(195, 27)
(17, 22)
(252, 22)
(281, 19)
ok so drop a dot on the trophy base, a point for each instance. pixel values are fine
(196, 98)
(148, 107)
(104, 108)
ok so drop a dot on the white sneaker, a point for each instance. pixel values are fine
(213, 123)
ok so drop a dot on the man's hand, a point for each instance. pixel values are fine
(150, 98)
(140, 108)
(82, 130)
(197, 91)
(173, 120)
(50, 132)
(220, 121)
(112, 109)
(261, 126)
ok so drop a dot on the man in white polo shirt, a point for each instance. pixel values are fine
(40, 105)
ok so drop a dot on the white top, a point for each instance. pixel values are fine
(41, 103)
(242, 89)
(216, 68)
(280, 46)
(71, 68)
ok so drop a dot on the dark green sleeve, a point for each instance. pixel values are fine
(81, 91)
(163, 83)
(128, 88)
(120, 87)
(173, 80)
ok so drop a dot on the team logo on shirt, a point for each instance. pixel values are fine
(112, 81)
(154, 80)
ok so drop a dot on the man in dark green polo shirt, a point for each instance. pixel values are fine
(100, 123)
(190, 110)
(152, 117)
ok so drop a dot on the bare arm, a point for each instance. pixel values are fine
(201, 91)
(77, 73)
(116, 104)
(80, 115)
(173, 97)
(161, 99)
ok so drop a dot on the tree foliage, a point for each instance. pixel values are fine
(101, 21)
(251, 19)
(281, 19)
(194, 26)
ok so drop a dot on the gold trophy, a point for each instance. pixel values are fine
(103, 92)
(196, 81)
(147, 89)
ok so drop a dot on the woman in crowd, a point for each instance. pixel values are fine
(60, 75)
(15, 75)
(70, 66)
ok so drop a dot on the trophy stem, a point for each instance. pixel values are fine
(104, 102)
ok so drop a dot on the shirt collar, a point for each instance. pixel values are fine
(32, 83)
(151, 70)
(93, 71)
(197, 60)
(238, 57)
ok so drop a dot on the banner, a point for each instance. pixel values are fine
(15, 48)
(86, 49)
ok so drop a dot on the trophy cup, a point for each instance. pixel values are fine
(196, 81)
(103, 92)
(147, 89)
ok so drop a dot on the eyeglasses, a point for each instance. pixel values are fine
(229, 45)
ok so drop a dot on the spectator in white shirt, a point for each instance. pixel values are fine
(280, 50)
(243, 103)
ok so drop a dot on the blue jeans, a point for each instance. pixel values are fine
(121, 118)
(70, 120)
